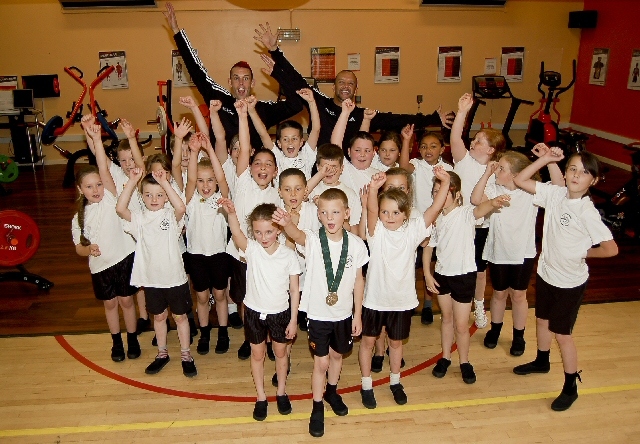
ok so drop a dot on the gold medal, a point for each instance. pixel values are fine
(331, 299)
(203, 200)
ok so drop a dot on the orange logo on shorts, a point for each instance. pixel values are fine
(313, 345)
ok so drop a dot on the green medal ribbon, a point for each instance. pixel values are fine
(333, 282)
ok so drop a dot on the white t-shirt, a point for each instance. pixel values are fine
(355, 178)
(571, 227)
(453, 238)
(423, 182)
(512, 231)
(315, 291)
(249, 195)
(303, 161)
(378, 165)
(391, 276)
(353, 199)
(103, 227)
(158, 260)
(268, 277)
(470, 172)
(308, 221)
(229, 170)
(120, 178)
(206, 225)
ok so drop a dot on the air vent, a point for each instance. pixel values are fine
(77, 4)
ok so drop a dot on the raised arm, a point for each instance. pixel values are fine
(366, 119)
(192, 168)
(315, 180)
(341, 125)
(132, 138)
(282, 218)
(245, 139)
(377, 182)
(477, 195)
(178, 205)
(94, 132)
(314, 135)
(190, 103)
(223, 186)
(524, 178)
(237, 235)
(405, 151)
(180, 130)
(122, 206)
(258, 124)
(555, 173)
(87, 120)
(218, 130)
(458, 148)
(440, 198)
(490, 205)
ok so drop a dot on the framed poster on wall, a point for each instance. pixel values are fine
(634, 71)
(180, 74)
(118, 78)
(323, 64)
(449, 64)
(599, 65)
(512, 63)
(387, 64)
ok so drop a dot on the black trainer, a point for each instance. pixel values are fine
(274, 378)
(244, 352)
(143, 325)
(222, 345)
(284, 405)
(368, 399)
(154, 341)
(402, 363)
(399, 396)
(316, 422)
(157, 365)
(133, 346)
(563, 401)
(426, 317)
(117, 352)
(260, 410)
(517, 347)
(532, 367)
(270, 354)
(235, 321)
(441, 368)
(189, 368)
(337, 405)
(491, 339)
(468, 375)
(376, 363)
(203, 344)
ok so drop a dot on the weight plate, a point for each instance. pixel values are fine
(19, 238)
(161, 115)
(48, 136)
(8, 169)
(105, 126)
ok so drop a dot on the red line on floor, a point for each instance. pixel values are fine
(211, 397)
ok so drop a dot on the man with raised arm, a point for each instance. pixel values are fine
(344, 87)
(240, 83)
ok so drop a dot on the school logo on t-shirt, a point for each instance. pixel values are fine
(298, 163)
(349, 262)
(565, 219)
(164, 225)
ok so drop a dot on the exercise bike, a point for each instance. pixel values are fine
(489, 88)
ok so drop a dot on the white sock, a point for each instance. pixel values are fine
(233, 308)
(367, 383)
(394, 378)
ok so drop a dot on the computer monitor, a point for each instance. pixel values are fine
(23, 98)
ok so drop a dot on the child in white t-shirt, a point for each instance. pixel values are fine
(273, 296)
(388, 153)
(98, 234)
(470, 165)
(158, 262)
(332, 296)
(572, 232)
(358, 171)
(208, 262)
(454, 278)
(291, 150)
(255, 176)
(510, 248)
(390, 292)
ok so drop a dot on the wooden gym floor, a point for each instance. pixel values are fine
(61, 385)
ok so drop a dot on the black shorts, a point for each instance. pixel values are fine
(334, 334)
(558, 305)
(238, 287)
(462, 287)
(275, 325)
(514, 276)
(185, 262)
(178, 299)
(209, 272)
(479, 240)
(397, 323)
(114, 281)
